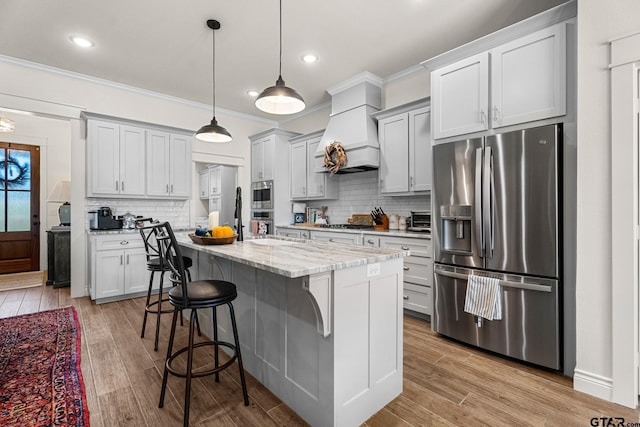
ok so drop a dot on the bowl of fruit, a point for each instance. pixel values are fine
(221, 235)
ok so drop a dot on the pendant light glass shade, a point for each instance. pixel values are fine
(6, 125)
(280, 99)
(213, 132)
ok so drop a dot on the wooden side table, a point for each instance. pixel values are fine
(59, 256)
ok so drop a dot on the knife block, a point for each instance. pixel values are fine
(384, 225)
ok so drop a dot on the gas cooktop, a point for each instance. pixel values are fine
(347, 226)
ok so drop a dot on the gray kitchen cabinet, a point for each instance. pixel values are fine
(168, 165)
(516, 82)
(292, 232)
(141, 161)
(337, 237)
(116, 159)
(203, 184)
(262, 158)
(418, 269)
(117, 266)
(305, 183)
(405, 149)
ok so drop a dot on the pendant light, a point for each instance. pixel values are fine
(280, 99)
(213, 132)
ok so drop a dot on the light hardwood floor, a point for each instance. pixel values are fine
(445, 383)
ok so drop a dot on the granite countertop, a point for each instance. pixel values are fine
(295, 257)
(397, 233)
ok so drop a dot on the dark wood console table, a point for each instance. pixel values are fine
(59, 256)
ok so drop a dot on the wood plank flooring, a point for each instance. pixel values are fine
(445, 383)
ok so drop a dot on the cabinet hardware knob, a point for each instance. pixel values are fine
(404, 248)
(405, 297)
(331, 240)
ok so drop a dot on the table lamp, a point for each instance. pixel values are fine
(62, 193)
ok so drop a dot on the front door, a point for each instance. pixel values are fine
(19, 207)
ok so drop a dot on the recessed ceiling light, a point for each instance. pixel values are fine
(81, 41)
(309, 58)
(252, 93)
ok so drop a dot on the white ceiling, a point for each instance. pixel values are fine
(165, 46)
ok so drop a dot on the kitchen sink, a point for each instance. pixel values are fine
(271, 242)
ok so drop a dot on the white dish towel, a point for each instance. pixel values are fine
(484, 297)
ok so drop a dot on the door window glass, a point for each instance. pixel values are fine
(15, 183)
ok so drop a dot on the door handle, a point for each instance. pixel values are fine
(503, 283)
(478, 204)
(487, 197)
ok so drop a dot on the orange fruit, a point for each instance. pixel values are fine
(222, 231)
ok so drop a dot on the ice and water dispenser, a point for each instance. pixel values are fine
(456, 229)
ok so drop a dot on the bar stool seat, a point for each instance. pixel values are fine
(201, 294)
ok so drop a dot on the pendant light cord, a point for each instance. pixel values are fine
(280, 68)
(213, 60)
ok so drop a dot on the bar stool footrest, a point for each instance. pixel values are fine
(149, 308)
(198, 374)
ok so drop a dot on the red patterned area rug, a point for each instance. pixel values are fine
(40, 378)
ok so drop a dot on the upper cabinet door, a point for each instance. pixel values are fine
(394, 151)
(528, 78)
(104, 152)
(315, 180)
(262, 158)
(461, 97)
(158, 163)
(132, 160)
(180, 166)
(298, 159)
(420, 149)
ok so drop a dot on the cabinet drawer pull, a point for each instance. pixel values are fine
(405, 297)
(405, 268)
(404, 248)
(124, 242)
(370, 241)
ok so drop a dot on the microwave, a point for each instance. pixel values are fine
(262, 195)
(420, 221)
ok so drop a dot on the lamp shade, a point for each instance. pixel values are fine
(280, 99)
(213, 133)
(61, 192)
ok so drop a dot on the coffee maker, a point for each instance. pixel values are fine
(103, 219)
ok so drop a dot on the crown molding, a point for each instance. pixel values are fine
(131, 89)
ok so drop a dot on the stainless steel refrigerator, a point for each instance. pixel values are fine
(496, 213)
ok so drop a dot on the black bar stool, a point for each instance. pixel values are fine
(155, 265)
(194, 296)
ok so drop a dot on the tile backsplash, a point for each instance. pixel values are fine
(359, 194)
(174, 211)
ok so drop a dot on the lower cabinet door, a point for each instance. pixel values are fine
(109, 276)
(417, 298)
(135, 271)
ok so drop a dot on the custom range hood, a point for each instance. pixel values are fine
(350, 123)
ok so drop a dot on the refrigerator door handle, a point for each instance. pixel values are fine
(487, 211)
(503, 283)
(478, 204)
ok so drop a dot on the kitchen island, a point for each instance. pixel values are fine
(320, 323)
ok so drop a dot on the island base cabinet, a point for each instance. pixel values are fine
(334, 357)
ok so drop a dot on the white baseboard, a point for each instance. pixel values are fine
(595, 385)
